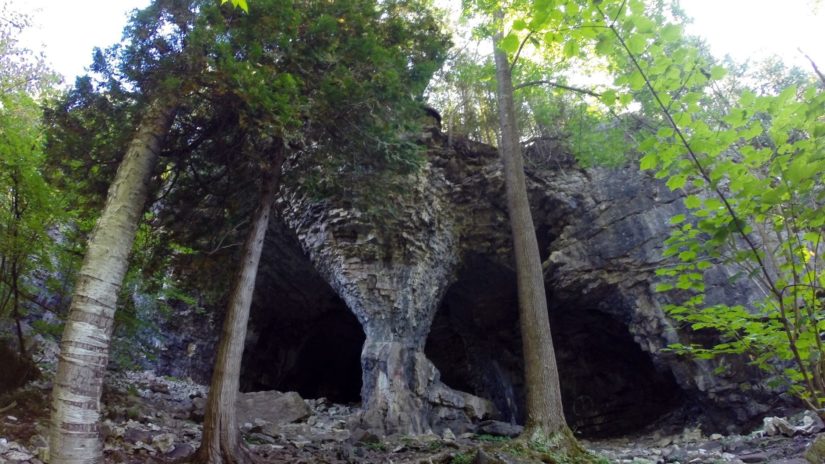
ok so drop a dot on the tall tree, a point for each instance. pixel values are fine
(545, 415)
(152, 62)
(84, 349)
(221, 441)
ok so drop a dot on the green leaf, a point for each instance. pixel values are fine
(604, 46)
(636, 44)
(799, 170)
(678, 219)
(676, 182)
(812, 237)
(663, 287)
(713, 203)
(238, 4)
(645, 25)
(571, 48)
(519, 25)
(648, 162)
(693, 202)
(687, 255)
(671, 33)
(636, 80)
(510, 43)
(609, 97)
(717, 72)
(625, 99)
(551, 38)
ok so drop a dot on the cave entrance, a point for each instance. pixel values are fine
(610, 387)
(302, 337)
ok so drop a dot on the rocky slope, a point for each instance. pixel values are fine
(151, 419)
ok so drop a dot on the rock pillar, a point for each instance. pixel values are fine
(392, 272)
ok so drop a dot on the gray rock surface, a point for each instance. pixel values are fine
(271, 407)
(326, 436)
(447, 248)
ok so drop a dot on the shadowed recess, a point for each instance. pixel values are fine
(302, 337)
(610, 387)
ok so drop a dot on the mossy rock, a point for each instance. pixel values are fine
(816, 453)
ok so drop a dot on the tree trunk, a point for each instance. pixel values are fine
(84, 349)
(15, 278)
(17, 253)
(221, 442)
(544, 407)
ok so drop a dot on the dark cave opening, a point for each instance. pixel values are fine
(302, 337)
(610, 387)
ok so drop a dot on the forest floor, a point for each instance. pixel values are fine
(150, 419)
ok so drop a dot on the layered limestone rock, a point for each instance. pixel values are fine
(444, 256)
(609, 248)
(392, 275)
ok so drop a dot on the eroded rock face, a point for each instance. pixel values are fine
(302, 336)
(441, 268)
(605, 256)
(392, 276)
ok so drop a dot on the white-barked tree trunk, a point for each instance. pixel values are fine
(84, 349)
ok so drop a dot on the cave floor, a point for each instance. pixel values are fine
(150, 419)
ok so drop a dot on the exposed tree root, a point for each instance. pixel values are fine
(6, 408)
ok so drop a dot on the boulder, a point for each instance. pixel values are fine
(499, 429)
(271, 406)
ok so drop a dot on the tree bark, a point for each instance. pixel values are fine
(84, 349)
(544, 407)
(17, 254)
(15, 282)
(221, 442)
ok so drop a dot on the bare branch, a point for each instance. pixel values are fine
(618, 12)
(558, 86)
(813, 65)
(518, 52)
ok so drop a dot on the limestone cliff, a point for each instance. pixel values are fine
(433, 291)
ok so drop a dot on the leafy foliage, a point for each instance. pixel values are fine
(29, 206)
(751, 165)
(749, 160)
(339, 84)
(576, 120)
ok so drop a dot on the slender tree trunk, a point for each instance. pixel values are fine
(17, 253)
(221, 443)
(544, 407)
(84, 349)
(15, 277)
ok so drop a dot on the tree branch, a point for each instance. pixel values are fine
(541, 138)
(558, 86)
(31, 298)
(518, 52)
(813, 65)
(618, 12)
